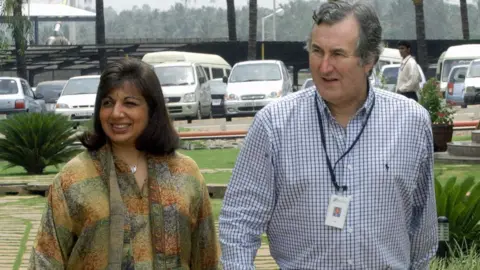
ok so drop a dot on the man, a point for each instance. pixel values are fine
(408, 81)
(340, 144)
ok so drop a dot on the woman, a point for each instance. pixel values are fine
(129, 201)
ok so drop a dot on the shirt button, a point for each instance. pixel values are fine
(350, 230)
(350, 167)
(350, 262)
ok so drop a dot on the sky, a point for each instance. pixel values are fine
(120, 5)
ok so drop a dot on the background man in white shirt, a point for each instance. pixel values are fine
(408, 81)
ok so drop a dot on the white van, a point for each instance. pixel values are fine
(214, 65)
(472, 83)
(457, 55)
(185, 90)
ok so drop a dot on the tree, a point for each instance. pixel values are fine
(464, 15)
(100, 34)
(231, 20)
(20, 27)
(252, 29)
(422, 53)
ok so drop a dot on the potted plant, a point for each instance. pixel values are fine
(441, 114)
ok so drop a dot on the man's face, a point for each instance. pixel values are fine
(404, 51)
(334, 64)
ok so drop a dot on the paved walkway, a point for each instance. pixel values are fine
(20, 217)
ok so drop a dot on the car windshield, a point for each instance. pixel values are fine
(256, 72)
(449, 64)
(175, 75)
(81, 86)
(8, 87)
(455, 75)
(390, 75)
(50, 91)
(474, 70)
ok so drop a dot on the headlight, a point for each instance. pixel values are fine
(190, 97)
(470, 89)
(62, 106)
(231, 97)
(275, 94)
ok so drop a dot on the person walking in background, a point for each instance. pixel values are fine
(409, 78)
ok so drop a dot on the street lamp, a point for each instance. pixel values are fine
(280, 13)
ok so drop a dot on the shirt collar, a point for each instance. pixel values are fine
(366, 106)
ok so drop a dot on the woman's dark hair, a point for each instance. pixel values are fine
(159, 137)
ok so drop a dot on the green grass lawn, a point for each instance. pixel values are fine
(206, 159)
(459, 170)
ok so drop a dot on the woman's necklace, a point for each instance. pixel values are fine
(133, 169)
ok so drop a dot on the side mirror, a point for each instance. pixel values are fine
(38, 96)
(225, 79)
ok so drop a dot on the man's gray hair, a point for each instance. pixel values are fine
(369, 46)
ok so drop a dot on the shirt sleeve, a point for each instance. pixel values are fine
(423, 228)
(249, 199)
(55, 237)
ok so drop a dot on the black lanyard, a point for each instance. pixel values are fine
(322, 134)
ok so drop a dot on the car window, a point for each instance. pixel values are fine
(8, 87)
(81, 86)
(455, 75)
(256, 72)
(474, 70)
(390, 75)
(50, 91)
(26, 89)
(217, 73)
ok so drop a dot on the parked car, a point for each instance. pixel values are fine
(218, 89)
(387, 78)
(16, 96)
(472, 83)
(77, 100)
(456, 85)
(254, 84)
(308, 83)
(51, 91)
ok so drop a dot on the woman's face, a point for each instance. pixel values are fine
(124, 115)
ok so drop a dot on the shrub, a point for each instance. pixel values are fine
(458, 200)
(34, 141)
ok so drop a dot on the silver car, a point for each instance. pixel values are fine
(16, 96)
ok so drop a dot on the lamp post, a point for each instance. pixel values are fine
(280, 12)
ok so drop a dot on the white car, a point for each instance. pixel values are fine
(77, 100)
(389, 74)
(253, 84)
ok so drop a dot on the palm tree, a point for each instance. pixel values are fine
(252, 29)
(422, 53)
(464, 15)
(100, 33)
(20, 26)
(231, 20)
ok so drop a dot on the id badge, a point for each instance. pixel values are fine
(337, 211)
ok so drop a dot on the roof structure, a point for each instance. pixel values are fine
(42, 58)
(55, 12)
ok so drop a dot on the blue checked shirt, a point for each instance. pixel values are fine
(281, 185)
